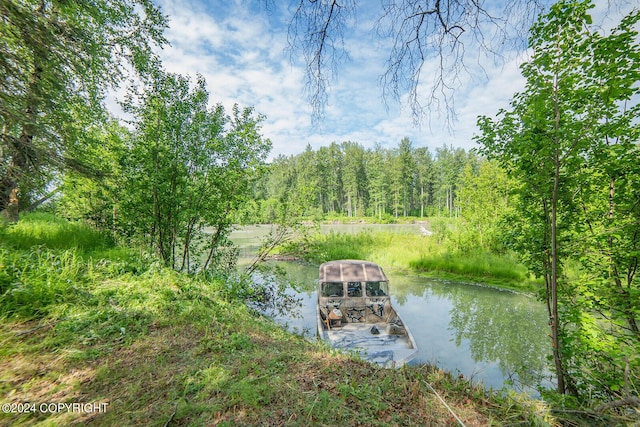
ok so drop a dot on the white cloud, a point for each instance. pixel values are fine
(240, 51)
(191, 28)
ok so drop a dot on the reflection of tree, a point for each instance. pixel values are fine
(302, 276)
(500, 326)
(272, 291)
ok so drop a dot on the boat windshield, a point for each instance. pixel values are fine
(377, 289)
(354, 289)
(332, 289)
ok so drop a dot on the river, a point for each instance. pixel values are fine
(491, 336)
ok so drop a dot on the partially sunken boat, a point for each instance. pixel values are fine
(355, 313)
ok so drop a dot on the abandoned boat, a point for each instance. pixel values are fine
(355, 313)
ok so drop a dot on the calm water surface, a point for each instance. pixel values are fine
(495, 337)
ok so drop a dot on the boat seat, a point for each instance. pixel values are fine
(331, 317)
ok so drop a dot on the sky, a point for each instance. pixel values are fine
(240, 48)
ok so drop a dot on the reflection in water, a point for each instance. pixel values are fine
(491, 336)
(488, 335)
(296, 288)
(482, 332)
(273, 292)
(504, 330)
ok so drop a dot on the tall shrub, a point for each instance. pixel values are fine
(569, 139)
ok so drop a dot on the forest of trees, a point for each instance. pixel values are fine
(350, 180)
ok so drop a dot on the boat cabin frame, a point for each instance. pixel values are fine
(355, 313)
(353, 291)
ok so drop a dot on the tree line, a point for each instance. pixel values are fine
(352, 181)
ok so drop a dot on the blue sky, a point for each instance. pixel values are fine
(240, 49)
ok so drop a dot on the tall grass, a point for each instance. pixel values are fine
(480, 265)
(46, 260)
(406, 251)
(388, 248)
(43, 229)
(31, 281)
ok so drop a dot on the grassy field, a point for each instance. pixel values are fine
(121, 340)
(417, 254)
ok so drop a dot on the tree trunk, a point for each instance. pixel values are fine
(216, 236)
(214, 245)
(553, 284)
(11, 212)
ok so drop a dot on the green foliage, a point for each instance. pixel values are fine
(59, 58)
(95, 200)
(32, 281)
(348, 181)
(343, 247)
(485, 199)
(43, 229)
(477, 265)
(568, 141)
(179, 180)
(418, 253)
(43, 262)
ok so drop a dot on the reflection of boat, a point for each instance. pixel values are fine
(355, 313)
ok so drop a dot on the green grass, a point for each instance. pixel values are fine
(47, 261)
(502, 271)
(420, 254)
(388, 248)
(109, 325)
(35, 229)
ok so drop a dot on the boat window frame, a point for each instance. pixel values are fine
(337, 285)
(356, 285)
(383, 286)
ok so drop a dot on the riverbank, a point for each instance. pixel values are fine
(93, 333)
(416, 254)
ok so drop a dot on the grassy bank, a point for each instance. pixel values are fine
(144, 345)
(418, 254)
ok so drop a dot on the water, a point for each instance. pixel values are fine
(491, 336)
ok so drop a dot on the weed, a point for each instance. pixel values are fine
(31, 281)
(43, 229)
